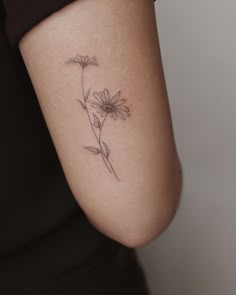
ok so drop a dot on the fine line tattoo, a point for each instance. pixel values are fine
(105, 105)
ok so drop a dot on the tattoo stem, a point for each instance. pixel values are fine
(100, 135)
(105, 159)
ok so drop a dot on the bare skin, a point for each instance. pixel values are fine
(109, 119)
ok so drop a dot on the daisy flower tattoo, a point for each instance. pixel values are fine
(101, 107)
(112, 106)
(84, 61)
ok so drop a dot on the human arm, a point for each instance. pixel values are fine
(122, 36)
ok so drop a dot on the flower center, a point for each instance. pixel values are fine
(83, 64)
(108, 108)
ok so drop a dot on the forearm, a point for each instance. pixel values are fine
(133, 191)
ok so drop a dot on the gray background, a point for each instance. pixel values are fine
(196, 255)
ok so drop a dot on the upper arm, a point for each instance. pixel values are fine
(121, 169)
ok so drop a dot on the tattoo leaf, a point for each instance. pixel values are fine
(93, 149)
(82, 104)
(87, 94)
(107, 150)
(96, 122)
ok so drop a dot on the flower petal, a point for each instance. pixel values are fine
(71, 60)
(114, 115)
(125, 114)
(120, 115)
(123, 108)
(120, 102)
(102, 113)
(98, 97)
(95, 105)
(93, 61)
(103, 96)
(79, 57)
(107, 95)
(115, 98)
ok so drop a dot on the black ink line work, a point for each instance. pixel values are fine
(105, 106)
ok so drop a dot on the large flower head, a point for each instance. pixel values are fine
(84, 61)
(112, 106)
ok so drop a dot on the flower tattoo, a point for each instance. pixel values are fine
(105, 106)
(84, 61)
(112, 106)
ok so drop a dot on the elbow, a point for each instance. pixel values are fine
(150, 226)
(137, 225)
(138, 239)
(141, 235)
